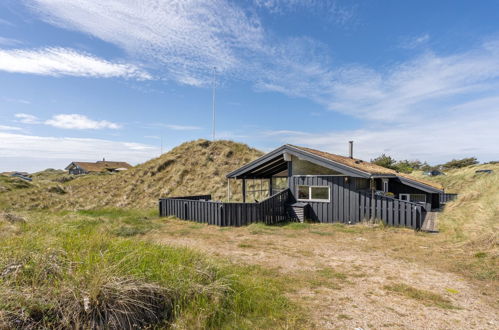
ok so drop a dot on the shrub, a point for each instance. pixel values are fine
(460, 163)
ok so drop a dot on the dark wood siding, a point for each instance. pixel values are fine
(344, 199)
(350, 205)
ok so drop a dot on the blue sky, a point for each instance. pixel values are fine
(82, 80)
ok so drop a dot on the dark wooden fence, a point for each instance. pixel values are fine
(364, 206)
(444, 198)
(391, 211)
(201, 209)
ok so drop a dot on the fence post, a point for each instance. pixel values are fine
(221, 220)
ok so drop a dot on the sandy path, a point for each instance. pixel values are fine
(356, 298)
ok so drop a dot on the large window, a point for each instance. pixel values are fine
(313, 193)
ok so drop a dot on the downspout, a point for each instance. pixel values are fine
(228, 189)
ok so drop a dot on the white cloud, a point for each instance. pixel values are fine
(331, 9)
(188, 38)
(22, 101)
(463, 135)
(28, 152)
(9, 42)
(76, 121)
(181, 127)
(27, 118)
(411, 43)
(65, 62)
(185, 37)
(5, 22)
(429, 85)
(9, 128)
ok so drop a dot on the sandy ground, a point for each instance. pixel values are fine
(351, 293)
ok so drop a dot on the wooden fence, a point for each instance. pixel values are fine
(444, 198)
(201, 209)
(391, 211)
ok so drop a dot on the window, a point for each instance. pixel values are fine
(415, 198)
(385, 185)
(313, 193)
(361, 184)
(303, 192)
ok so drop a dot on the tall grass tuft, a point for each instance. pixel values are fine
(71, 270)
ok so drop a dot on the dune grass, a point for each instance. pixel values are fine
(74, 269)
(425, 297)
(195, 167)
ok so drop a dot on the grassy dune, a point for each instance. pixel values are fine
(473, 219)
(196, 167)
(85, 269)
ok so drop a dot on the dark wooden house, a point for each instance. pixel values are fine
(332, 184)
(303, 183)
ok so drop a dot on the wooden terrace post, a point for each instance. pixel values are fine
(290, 173)
(244, 190)
(373, 201)
(270, 186)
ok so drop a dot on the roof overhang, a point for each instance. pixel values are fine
(420, 185)
(70, 166)
(273, 162)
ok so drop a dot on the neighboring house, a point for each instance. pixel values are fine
(99, 166)
(434, 173)
(484, 171)
(307, 183)
(22, 175)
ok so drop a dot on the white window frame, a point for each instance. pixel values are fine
(409, 198)
(385, 185)
(310, 194)
(405, 200)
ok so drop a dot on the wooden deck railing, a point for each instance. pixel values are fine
(391, 211)
(201, 209)
(444, 198)
(272, 210)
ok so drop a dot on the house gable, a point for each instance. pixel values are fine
(273, 162)
(314, 162)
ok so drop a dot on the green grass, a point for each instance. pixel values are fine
(74, 268)
(425, 297)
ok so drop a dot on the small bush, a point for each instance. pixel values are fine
(57, 190)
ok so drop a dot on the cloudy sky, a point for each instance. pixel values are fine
(86, 79)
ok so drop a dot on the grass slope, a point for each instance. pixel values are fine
(474, 217)
(76, 270)
(196, 167)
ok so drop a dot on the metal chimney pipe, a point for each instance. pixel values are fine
(350, 149)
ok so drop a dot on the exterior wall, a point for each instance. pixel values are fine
(76, 170)
(303, 167)
(398, 188)
(341, 207)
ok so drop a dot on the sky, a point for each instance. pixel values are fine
(83, 80)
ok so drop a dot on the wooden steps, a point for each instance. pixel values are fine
(430, 223)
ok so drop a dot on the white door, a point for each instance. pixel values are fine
(405, 197)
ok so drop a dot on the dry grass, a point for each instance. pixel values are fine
(340, 269)
(196, 167)
(74, 270)
(423, 296)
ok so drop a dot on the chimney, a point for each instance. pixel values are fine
(350, 149)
